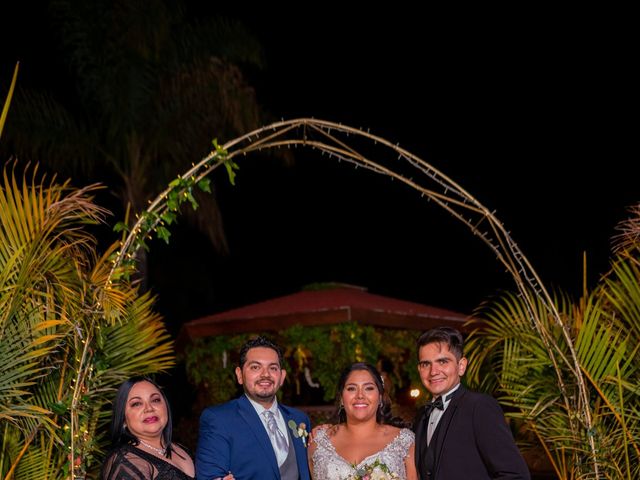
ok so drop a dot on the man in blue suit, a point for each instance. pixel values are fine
(254, 437)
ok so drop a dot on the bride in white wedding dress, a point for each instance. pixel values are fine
(366, 436)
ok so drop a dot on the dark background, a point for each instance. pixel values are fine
(528, 110)
(532, 111)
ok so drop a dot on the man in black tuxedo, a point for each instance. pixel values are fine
(460, 434)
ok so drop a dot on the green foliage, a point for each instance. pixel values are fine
(324, 350)
(164, 211)
(537, 384)
(229, 165)
(399, 346)
(69, 334)
(329, 349)
(209, 365)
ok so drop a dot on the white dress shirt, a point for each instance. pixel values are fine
(436, 413)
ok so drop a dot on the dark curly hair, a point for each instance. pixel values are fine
(383, 413)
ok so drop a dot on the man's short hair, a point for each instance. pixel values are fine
(256, 342)
(450, 336)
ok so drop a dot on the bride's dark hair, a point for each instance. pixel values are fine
(383, 413)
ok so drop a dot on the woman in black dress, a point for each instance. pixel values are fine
(141, 437)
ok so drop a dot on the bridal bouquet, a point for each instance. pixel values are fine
(373, 471)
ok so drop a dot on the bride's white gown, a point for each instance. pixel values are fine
(328, 465)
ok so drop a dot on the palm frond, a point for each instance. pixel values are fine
(68, 336)
(623, 292)
(513, 361)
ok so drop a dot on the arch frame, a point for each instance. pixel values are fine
(335, 141)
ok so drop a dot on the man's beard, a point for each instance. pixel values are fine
(265, 393)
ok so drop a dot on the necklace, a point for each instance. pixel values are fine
(161, 451)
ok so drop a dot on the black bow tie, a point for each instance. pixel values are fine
(437, 403)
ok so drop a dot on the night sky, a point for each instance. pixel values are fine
(531, 111)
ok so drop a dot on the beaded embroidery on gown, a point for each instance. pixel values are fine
(328, 465)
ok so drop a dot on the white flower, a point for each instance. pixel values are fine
(378, 474)
(373, 471)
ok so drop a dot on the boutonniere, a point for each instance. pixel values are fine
(299, 431)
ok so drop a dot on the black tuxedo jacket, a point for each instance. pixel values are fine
(472, 442)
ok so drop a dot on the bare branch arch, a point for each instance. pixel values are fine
(337, 141)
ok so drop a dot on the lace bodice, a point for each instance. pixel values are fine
(130, 463)
(328, 465)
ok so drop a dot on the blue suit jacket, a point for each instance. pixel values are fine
(233, 439)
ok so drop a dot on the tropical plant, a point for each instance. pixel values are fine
(537, 384)
(152, 87)
(68, 334)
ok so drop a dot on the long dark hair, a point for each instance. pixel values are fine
(120, 434)
(383, 413)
